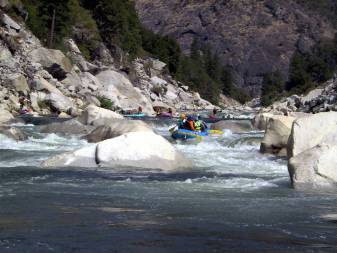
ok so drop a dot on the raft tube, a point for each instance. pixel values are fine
(184, 134)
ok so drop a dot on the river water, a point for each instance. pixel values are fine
(234, 200)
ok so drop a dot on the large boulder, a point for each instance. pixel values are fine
(260, 121)
(277, 134)
(308, 132)
(52, 60)
(5, 116)
(8, 22)
(18, 82)
(4, 3)
(234, 126)
(41, 84)
(140, 150)
(116, 128)
(59, 102)
(121, 91)
(314, 168)
(96, 116)
(143, 150)
(84, 157)
(68, 127)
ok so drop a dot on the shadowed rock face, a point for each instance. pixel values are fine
(254, 37)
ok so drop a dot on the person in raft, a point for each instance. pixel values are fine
(191, 123)
(200, 126)
(214, 115)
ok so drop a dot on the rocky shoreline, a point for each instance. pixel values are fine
(54, 82)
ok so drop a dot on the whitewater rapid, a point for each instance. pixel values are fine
(230, 161)
(233, 198)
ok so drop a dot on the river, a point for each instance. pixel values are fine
(233, 200)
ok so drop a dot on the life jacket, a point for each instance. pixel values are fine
(181, 123)
(191, 125)
(198, 125)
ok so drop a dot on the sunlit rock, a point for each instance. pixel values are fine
(92, 115)
(116, 128)
(308, 132)
(277, 134)
(141, 150)
(314, 168)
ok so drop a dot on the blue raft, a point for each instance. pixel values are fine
(184, 134)
(136, 115)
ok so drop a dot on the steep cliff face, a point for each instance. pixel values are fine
(254, 37)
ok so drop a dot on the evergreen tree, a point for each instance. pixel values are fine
(272, 88)
(118, 22)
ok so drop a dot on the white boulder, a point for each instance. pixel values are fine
(277, 134)
(116, 128)
(93, 115)
(314, 168)
(59, 102)
(260, 121)
(84, 157)
(141, 150)
(308, 132)
(121, 91)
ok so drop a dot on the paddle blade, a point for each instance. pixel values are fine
(215, 132)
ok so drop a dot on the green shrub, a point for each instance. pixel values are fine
(43, 104)
(105, 103)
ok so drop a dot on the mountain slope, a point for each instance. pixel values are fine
(253, 37)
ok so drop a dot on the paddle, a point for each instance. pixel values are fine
(215, 132)
(172, 128)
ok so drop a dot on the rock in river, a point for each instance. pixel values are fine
(314, 168)
(116, 128)
(92, 115)
(308, 132)
(142, 150)
(277, 134)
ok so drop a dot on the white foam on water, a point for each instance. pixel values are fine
(49, 142)
(21, 125)
(238, 183)
(218, 157)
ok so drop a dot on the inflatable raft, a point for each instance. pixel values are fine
(183, 134)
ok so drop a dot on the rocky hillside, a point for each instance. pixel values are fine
(52, 81)
(253, 37)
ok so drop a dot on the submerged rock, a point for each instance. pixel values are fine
(143, 150)
(314, 168)
(116, 128)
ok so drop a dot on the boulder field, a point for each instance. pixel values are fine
(142, 150)
(310, 142)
